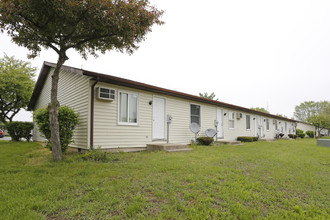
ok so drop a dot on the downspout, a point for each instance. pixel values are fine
(91, 143)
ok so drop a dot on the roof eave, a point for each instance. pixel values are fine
(137, 85)
(38, 86)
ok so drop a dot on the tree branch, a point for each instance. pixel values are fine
(77, 45)
(14, 113)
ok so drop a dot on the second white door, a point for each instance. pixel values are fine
(158, 124)
(220, 123)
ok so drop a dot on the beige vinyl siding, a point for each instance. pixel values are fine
(109, 134)
(43, 100)
(240, 126)
(73, 91)
(179, 109)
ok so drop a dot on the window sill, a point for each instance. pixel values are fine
(128, 124)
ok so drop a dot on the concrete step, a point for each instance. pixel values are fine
(153, 147)
(265, 139)
(228, 142)
(179, 150)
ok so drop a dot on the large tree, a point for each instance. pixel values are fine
(260, 109)
(208, 96)
(321, 120)
(87, 26)
(308, 109)
(16, 86)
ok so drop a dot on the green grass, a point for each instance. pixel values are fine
(273, 180)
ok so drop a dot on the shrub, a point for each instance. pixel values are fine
(67, 119)
(310, 134)
(96, 155)
(205, 140)
(293, 136)
(301, 135)
(18, 130)
(299, 131)
(247, 138)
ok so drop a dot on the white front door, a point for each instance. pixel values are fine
(261, 126)
(256, 127)
(220, 123)
(158, 117)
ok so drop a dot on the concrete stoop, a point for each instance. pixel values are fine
(168, 147)
(268, 140)
(228, 142)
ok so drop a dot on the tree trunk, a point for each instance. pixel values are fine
(53, 111)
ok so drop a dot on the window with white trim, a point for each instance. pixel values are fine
(248, 122)
(286, 126)
(128, 108)
(267, 124)
(195, 114)
(231, 120)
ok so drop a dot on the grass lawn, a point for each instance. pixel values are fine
(275, 180)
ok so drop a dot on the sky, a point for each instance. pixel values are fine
(270, 54)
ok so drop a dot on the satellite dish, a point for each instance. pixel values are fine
(210, 132)
(194, 127)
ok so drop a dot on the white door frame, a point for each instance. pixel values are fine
(158, 134)
(256, 127)
(220, 133)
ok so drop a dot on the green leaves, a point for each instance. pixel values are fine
(86, 26)
(18, 130)
(16, 86)
(208, 96)
(68, 121)
(310, 108)
(260, 109)
(316, 113)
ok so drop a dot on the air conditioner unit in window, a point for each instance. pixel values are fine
(106, 93)
(239, 115)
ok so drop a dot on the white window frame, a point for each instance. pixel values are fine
(248, 129)
(137, 109)
(231, 113)
(200, 113)
(267, 124)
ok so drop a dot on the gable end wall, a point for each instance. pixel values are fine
(73, 91)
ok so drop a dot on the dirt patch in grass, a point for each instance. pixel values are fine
(39, 156)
